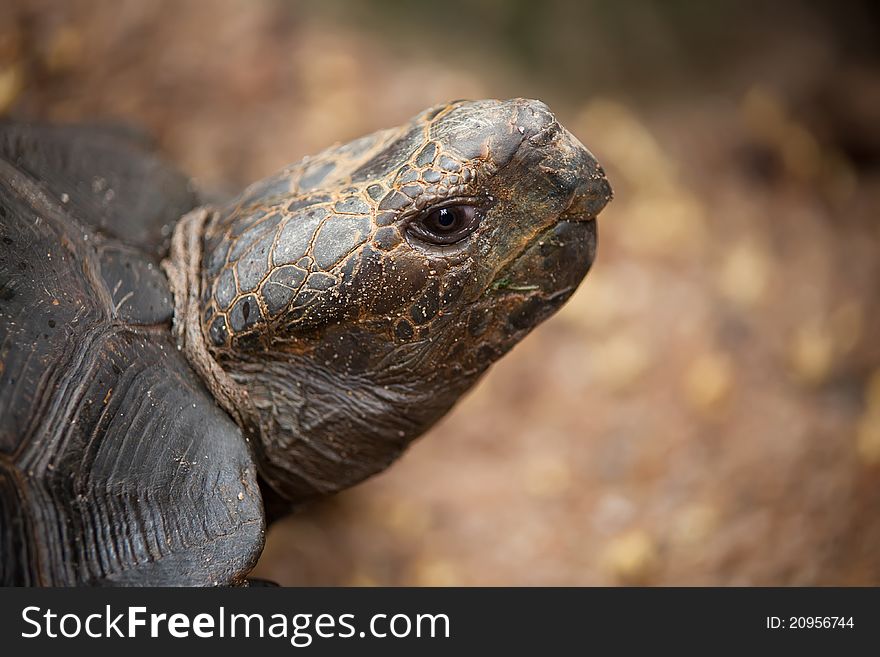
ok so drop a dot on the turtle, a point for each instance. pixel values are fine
(176, 373)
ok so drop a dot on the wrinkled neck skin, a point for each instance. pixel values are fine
(326, 422)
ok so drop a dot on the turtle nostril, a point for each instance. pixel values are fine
(546, 135)
(590, 198)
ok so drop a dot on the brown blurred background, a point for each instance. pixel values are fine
(706, 409)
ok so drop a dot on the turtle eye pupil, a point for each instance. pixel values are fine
(446, 218)
(446, 225)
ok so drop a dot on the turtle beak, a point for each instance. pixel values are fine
(591, 190)
(549, 270)
(589, 198)
(551, 267)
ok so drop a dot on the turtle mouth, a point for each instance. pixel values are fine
(576, 216)
(553, 264)
(589, 199)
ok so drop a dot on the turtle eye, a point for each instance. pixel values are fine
(446, 225)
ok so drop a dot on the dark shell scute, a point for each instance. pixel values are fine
(386, 238)
(338, 237)
(224, 289)
(320, 281)
(412, 190)
(375, 191)
(448, 164)
(295, 237)
(279, 289)
(386, 218)
(138, 288)
(393, 156)
(352, 205)
(267, 223)
(245, 313)
(245, 242)
(253, 267)
(394, 200)
(410, 176)
(432, 176)
(427, 155)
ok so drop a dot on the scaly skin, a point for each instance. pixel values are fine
(347, 324)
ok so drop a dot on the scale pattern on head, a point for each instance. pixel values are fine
(282, 254)
(356, 295)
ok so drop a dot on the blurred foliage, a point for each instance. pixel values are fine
(639, 48)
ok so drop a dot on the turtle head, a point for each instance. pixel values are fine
(357, 295)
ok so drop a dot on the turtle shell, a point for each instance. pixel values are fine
(116, 464)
